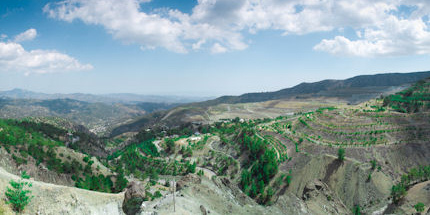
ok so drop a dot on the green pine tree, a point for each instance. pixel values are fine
(18, 195)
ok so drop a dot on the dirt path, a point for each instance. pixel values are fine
(215, 150)
(276, 150)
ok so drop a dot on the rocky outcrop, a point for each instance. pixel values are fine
(187, 180)
(319, 198)
(203, 210)
(133, 198)
(313, 189)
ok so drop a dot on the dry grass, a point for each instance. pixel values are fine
(5, 209)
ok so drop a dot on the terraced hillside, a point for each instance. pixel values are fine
(273, 158)
(271, 104)
(321, 158)
(357, 127)
(270, 158)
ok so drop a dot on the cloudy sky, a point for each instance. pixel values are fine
(205, 47)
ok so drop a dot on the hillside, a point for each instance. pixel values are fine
(355, 90)
(57, 199)
(298, 154)
(413, 99)
(98, 117)
(318, 156)
(271, 104)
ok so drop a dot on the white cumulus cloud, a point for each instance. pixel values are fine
(385, 29)
(27, 35)
(217, 48)
(13, 57)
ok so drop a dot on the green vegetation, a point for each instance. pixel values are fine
(186, 151)
(121, 181)
(132, 161)
(18, 195)
(263, 166)
(411, 100)
(341, 154)
(419, 207)
(16, 132)
(170, 145)
(415, 175)
(356, 210)
(157, 194)
(373, 163)
(24, 139)
(250, 152)
(149, 148)
(97, 183)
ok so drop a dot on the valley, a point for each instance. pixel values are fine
(214, 107)
(322, 155)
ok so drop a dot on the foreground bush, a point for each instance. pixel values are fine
(18, 196)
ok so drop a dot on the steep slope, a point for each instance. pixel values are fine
(294, 158)
(57, 199)
(417, 193)
(414, 99)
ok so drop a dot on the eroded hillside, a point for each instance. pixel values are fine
(303, 158)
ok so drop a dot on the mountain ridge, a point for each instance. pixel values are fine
(127, 98)
(353, 90)
(361, 81)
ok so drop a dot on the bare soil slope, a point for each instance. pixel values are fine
(57, 199)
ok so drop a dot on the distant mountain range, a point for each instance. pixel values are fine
(99, 113)
(99, 117)
(352, 90)
(126, 98)
(355, 89)
(119, 113)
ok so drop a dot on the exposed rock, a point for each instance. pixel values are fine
(203, 209)
(187, 180)
(133, 198)
(320, 199)
(312, 189)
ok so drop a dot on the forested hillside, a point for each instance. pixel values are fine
(413, 99)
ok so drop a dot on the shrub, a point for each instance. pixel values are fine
(19, 195)
(398, 192)
(341, 154)
(191, 167)
(157, 194)
(373, 163)
(356, 210)
(419, 207)
(170, 144)
(288, 179)
(149, 148)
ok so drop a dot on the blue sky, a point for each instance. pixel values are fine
(205, 47)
